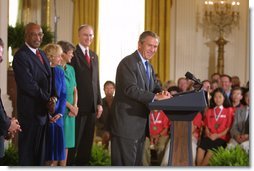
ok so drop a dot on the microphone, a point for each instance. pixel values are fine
(190, 76)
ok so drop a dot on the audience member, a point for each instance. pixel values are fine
(206, 85)
(226, 84)
(71, 109)
(32, 74)
(103, 123)
(214, 85)
(182, 84)
(240, 129)
(86, 66)
(216, 77)
(217, 122)
(173, 90)
(236, 97)
(55, 144)
(159, 134)
(235, 81)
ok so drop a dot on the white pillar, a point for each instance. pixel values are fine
(4, 65)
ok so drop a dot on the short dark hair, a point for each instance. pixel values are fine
(66, 46)
(216, 73)
(109, 82)
(174, 88)
(226, 102)
(1, 42)
(225, 75)
(146, 34)
(206, 81)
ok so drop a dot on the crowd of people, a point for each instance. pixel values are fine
(60, 109)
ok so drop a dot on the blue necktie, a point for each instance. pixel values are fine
(147, 71)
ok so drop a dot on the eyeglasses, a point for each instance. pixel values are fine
(37, 34)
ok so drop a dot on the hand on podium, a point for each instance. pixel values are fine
(162, 95)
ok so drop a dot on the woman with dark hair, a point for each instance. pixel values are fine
(217, 123)
(71, 109)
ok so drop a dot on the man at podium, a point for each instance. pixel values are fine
(136, 87)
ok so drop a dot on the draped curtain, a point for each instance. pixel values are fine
(29, 11)
(86, 12)
(157, 19)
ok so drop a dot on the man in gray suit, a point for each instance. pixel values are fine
(240, 128)
(136, 86)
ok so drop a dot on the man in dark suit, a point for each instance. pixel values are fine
(8, 126)
(85, 63)
(136, 86)
(32, 75)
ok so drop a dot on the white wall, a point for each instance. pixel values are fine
(4, 65)
(190, 51)
(3, 34)
(64, 10)
(119, 33)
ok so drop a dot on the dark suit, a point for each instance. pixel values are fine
(89, 97)
(129, 111)
(5, 123)
(33, 92)
(4, 119)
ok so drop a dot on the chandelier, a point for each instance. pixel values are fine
(220, 17)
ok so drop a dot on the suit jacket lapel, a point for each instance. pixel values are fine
(142, 70)
(46, 62)
(38, 62)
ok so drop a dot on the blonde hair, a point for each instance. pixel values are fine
(52, 50)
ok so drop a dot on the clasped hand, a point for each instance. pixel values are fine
(51, 105)
(13, 129)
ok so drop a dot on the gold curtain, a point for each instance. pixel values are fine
(157, 19)
(86, 12)
(28, 11)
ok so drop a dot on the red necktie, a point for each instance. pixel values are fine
(39, 56)
(87, 59)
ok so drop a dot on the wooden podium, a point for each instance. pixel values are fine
(181, 110)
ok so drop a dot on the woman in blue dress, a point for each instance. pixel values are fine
(55, 145)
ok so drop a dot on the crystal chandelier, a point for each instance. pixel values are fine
(219, 19)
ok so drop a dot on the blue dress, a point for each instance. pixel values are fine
(55, 149)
